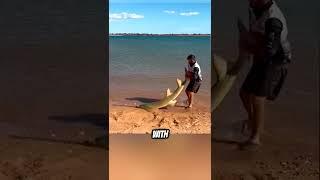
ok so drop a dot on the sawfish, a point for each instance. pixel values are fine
(168, 100)
(227, 76)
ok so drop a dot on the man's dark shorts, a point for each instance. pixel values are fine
(265, 80)
(193, 86)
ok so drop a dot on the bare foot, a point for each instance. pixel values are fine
(251, 145)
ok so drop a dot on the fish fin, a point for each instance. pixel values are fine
(168, 92)
(179, 83)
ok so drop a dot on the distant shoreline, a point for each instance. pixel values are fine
(144, 34)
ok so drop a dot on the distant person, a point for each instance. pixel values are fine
(193, 74)
(271, 52)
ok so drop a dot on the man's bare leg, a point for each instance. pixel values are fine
(191, 99)
(188, 96)
(187, 93)
(258, 119)
(246, 99)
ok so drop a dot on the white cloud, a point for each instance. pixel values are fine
(124, 16)
(169, 11)
(189, 13)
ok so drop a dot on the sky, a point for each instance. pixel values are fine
(160, 17)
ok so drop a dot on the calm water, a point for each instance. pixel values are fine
(141, 63)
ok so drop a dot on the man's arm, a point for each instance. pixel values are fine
(249, 41)
(186, 76)
(273, 29)
(195, 74)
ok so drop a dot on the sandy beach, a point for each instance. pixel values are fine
(139, 121)
(22, 159)
(125, 116)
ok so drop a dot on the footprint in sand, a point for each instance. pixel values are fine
(161, 122)
(175, 122)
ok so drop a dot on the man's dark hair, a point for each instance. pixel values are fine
(192, 57)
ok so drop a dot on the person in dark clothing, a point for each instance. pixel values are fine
(271, 51)
(193, 74)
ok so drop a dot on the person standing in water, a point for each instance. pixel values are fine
(271, 52)
(193, 74)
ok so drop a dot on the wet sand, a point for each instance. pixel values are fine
(137, 157)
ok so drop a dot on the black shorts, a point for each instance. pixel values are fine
(193, 86)
(265, 80)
